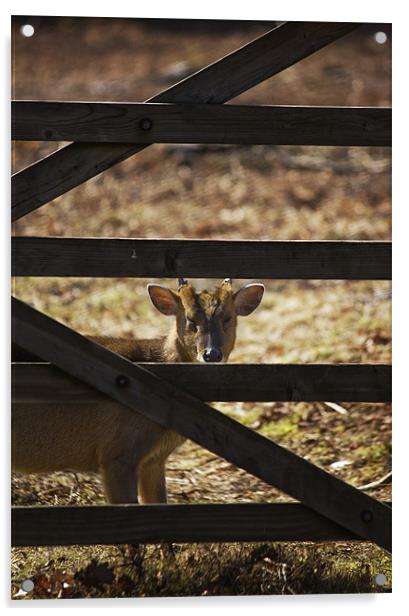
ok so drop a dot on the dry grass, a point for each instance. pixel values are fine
(213, 192)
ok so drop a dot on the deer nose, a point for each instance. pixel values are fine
(212, 355)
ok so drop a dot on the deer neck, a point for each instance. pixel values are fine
(175, 350)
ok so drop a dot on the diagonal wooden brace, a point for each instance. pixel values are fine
(160, 401)
(219, 82)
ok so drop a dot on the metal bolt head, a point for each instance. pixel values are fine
(367, 516)
(145, 124)
(122, 380)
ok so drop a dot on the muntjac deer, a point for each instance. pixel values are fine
(128, 449)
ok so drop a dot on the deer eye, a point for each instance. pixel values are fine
(191, 324)
(227, 321)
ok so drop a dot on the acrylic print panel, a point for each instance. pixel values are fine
(251, 454)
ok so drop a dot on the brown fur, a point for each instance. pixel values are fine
(128, 449)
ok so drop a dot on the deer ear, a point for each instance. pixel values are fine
(163, 299)
(248, 298)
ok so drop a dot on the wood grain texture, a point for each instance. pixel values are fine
(219, 82)
(105, 525)
(146, 393)
(51, 256)
(42, 382)
(188, 123)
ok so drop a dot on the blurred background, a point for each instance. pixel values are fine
(200, 191)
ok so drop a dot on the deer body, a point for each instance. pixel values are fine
(126, 448)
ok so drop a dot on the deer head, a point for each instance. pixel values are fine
(206, 321)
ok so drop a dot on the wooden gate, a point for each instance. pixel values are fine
(175, 396)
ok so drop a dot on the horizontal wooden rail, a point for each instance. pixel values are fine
(41, 382)
(187, 123)
(51, 256)
(217, 83)
(145, 393)
(105, 525)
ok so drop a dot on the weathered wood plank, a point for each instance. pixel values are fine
(144, 392)
(105, 525)
(50, 256)
(188, 123)
(219, 82)
(42, 382)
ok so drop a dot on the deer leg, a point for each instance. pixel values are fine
(119, 482)
(152, 482)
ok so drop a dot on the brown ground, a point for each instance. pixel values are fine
(219, 192)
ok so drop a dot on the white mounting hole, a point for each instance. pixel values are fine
(381, 37)
(27, 30)
(27, 585)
